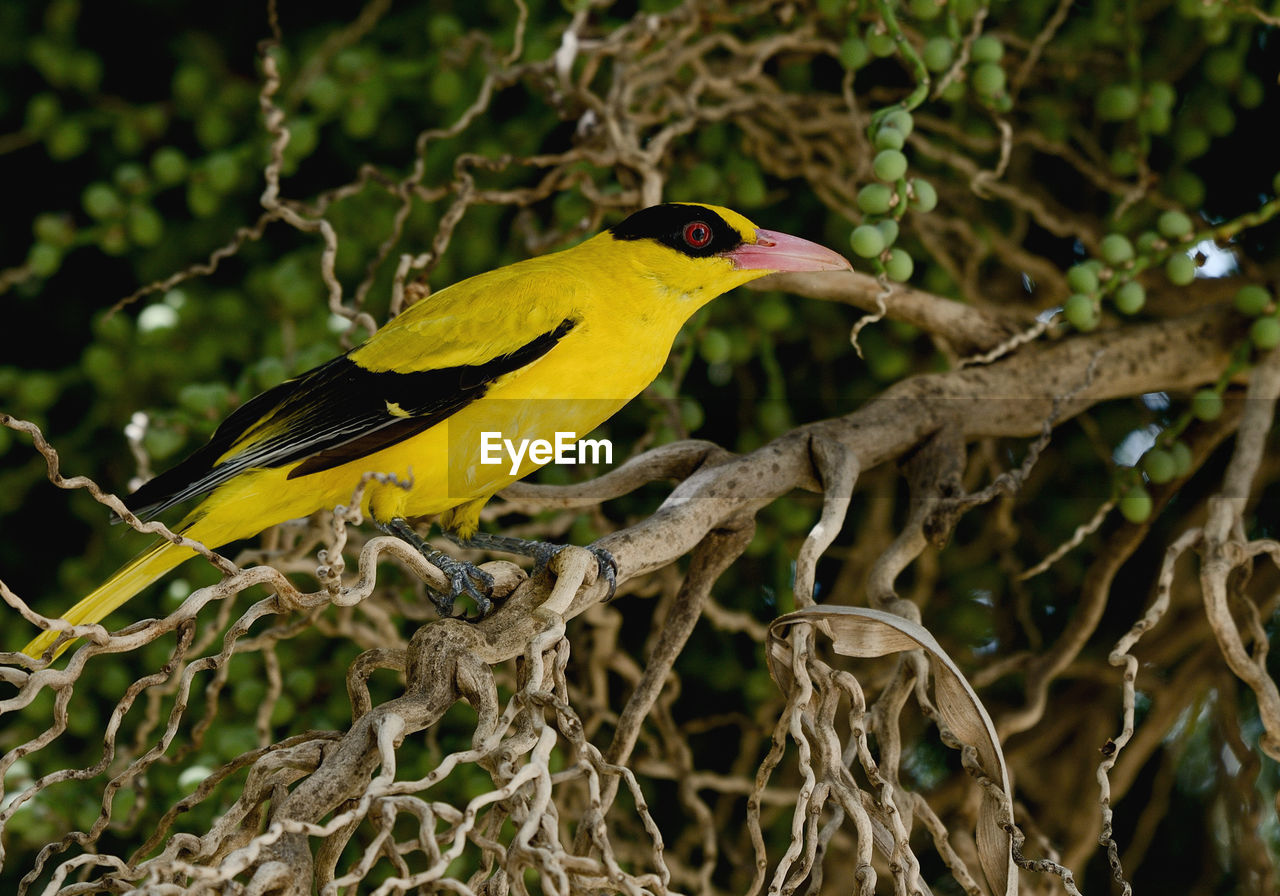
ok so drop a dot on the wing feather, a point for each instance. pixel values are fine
(334, 414)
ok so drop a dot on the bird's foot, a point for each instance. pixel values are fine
(542, 552)
(606, 566)
(464, 578)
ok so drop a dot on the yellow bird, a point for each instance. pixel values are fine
(548, 345)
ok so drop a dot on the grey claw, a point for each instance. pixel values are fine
(606, 565)
(608, 568)
(464, 578)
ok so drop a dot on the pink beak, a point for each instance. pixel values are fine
(773, 251)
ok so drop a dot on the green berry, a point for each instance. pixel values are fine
(325, 94)
(889, 164)
(445, 28)
(144, 225)
(43, 111)
(1082, 278)
(222, 171)
(1118, 102)
(127, 137)
(1161, 95)
(987, 48)
(1224, 67)
(889, 138)
(361, 120)
(153, 120)
(204, 398)
(1250, 93)
(715, 346)
(169, 166)
(131, 178)
(1124, 162)
(446, 87)
(201, 199)
(1191, 142)
(988, 79)
(1116, 249)
(1148, 241)
(1135, 505)
(773, 316)
(268, 372)
(55, 229)
(191, 82)
(867, 241)
(303, 139)
(1206, 405)
(889, 229)
(101, 202)
(899, 266)
(44, 259)
(113, 241)
(1181, 454)
(1155, 120)
(1081, 312)
(875, 199)
(1159, 466)
(1219, 120)
(926, 9)
(1180, 269)
(1186, 187)
(899, 120)
(881, 43)
(36, 391)
(749, 190)
(1174, 225)
(67, 140)
(1217, 29)
(854, 53)
(214, 128)
(937, 53)
(1252, 299)
(1265, 333)
(86, 71)
(924, 196)
(1130, 297)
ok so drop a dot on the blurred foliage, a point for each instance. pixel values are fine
(129, 160)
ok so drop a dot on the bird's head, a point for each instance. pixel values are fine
(701, 251)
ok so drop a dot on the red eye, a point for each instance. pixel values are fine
(697, 234)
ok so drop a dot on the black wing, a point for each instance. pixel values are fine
(331, 415)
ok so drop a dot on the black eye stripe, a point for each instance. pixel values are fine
(670, 225)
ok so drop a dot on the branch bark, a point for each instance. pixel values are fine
(1014, 397)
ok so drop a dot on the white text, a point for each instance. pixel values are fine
(566, 449)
